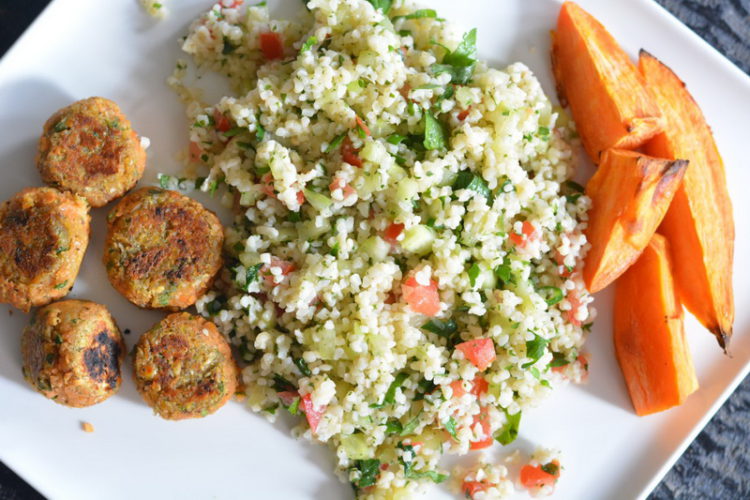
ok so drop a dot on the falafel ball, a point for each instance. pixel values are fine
(43, 236)
(72, 353)
(163, 249)
(90, 148)
(184, 367)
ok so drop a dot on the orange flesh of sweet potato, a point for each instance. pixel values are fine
(699, 224)
(630, 193)
(608, 97)
(649, 335)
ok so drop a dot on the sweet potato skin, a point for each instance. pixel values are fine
(699, 224)
(649, 334)
(630, 194)
(607, 96)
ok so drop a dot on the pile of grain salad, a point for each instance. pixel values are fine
(404, 263)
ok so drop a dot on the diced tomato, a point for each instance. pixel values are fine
(271, 45)
(267, 188)
(343, 186)
(392, 233)
(390, 298)
(533, 476)
(575, 305)
(195, 151)
(285, 266)
(361, 124)
(312, 414)
(287, 397)
(383, 466)
(463, 114)
(583, 360)
(349, 153)
(479, 386)
(422, 299)
(528, 233)
(234, 4)
(458, 388)
(221, 121)
(404, 91)
(483, 418)
(480, 352)
(560, 260)
(471, 488)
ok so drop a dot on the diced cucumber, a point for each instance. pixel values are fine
(373, 151)
(418, 239)
(319, 201)
(356, 447)
(376, 247)
(249, 258)
(378, 343)
(407, 189)
(308, 230)
(397, 173)
(324, 341)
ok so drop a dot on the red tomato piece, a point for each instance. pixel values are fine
(479, 386)
(471, 488)
(480, 352)
(312, 414)
(535, 477)
(404, 91)
(234, 4)
(392, 233)
(343, 186)
(285, 266)
(195, 151)
(463, 114)
(528, 233)
(483, 418)
(361, 124)
(349, 153)
(422, 299)
(575, 305)
(287, 397)
(458, 388)
(221, 121)
(271, 45)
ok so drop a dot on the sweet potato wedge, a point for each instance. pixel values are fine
(607, 96)
(630, 194)
(649, 335)
(699, 224)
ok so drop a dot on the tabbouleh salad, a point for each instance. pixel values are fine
(404, 262)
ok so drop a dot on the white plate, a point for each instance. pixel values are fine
(79, 48)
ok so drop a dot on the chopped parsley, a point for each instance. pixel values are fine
(369, 470)
(469, 180)
(552, 294)
(308, 44)
(390, 394)
(335, 143)
(442, 328)
(434, 135)
(509, 432)
(461, 62)
(535, 349)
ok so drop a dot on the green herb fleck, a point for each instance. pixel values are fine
(553, 294)
(61, 285)
(434, 135)
(308, 44)
(335, 143)
(509, 432)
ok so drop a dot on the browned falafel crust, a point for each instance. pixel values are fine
(184, 367)
(43, 237)
(91, 149)
(163, 249)
(72, 353)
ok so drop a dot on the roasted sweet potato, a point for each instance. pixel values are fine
(608, 98)
(649, 335)
(630, 194)
(699, 224)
